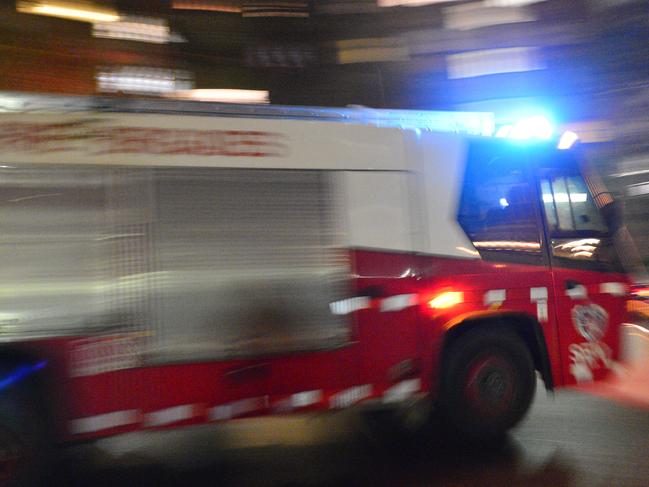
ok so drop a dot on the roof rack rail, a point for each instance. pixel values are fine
(470, 123)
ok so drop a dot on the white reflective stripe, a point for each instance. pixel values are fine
(578, 292)
(350, 396)
(542, 310)
(494, 296)
(238, 408)
(538, 293)
(402, 390)
(169, 415)
(221, 412)
(540, 296)
(399, 302)
(346, 306)
(614, 288)
(306, 398)
(249, 405)
(106, 421)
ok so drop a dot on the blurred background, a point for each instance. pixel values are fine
(582, 62)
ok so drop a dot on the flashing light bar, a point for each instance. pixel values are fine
(533, 127)
(69, 11)
(536, 127)
(567, 140)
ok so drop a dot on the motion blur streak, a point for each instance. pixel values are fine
(55, 10)
(222, 95)
(140, 29)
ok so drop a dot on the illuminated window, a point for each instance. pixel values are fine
(569, 206)
(467, 16)
(141, 29)
(142, 80)
(484, 62)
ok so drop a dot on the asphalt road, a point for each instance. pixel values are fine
(569, 439)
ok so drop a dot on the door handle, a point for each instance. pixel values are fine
(570, 284)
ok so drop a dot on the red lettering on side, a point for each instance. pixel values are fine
(23, 137)
(46, 138)
(255, 144)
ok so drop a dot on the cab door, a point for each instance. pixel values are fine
(588, 282)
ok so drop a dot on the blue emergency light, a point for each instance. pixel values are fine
(535, 128)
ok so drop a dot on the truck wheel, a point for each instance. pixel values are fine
(24, 449)
(487, 384)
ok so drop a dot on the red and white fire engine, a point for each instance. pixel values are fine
(167, 263)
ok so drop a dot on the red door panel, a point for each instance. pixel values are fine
(590, 307)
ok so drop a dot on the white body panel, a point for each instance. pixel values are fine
(438, 162)
(377, 210)
(400, 186)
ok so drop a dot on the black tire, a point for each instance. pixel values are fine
(487, 383)
(24, 447)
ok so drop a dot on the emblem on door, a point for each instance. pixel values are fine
(590, 321)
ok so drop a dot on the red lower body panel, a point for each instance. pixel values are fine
(103, 388)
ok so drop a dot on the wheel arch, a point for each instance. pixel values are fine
(525, 326)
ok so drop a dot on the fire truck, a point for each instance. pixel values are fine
(171, 263)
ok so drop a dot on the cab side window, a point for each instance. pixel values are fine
(569, 207)
(578, 235)
(498, 208)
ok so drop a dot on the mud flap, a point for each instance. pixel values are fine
(628, 382)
